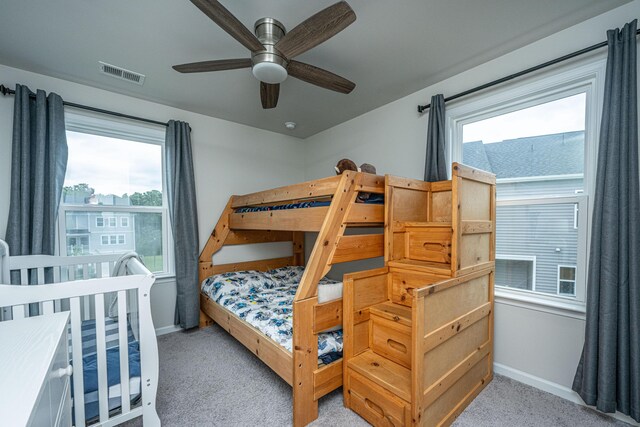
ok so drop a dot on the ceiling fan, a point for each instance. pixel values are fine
(273, 49)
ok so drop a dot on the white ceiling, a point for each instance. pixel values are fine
(393, 49)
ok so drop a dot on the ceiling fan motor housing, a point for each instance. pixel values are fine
(269, 65)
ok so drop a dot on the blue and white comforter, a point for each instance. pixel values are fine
(265, 301)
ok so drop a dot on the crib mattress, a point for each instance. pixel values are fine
(90, 366)
(265, 301)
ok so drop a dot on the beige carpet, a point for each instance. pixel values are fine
(207, 378)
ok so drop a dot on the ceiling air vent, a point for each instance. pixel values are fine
(121, 73)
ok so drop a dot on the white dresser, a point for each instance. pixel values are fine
(34, 372)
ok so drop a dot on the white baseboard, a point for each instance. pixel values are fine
(167, 330)
(553, 388)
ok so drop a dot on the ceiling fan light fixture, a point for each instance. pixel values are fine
(269, 72)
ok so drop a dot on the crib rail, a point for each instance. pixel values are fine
(43, 269)
(136, 286)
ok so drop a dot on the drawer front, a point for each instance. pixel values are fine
(64, 411)
(54, 390)
(41, 413)
(375, 404)
(430, 244)
(58, 375)
(391, 340)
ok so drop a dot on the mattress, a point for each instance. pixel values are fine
(374, 199)
(265, 301)
(90, 366)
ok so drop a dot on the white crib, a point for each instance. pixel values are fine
(82, 286)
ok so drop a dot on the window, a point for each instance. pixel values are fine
(518, 272)
(538, 139)
(78, 245)
(115, 180)
(113, 239)
(566, 280)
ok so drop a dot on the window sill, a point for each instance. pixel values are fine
(165, 278)
(551, 305)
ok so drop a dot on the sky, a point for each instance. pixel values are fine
(113, 166)
(562, 115)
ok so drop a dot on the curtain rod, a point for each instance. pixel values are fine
(6, 91)
(421, 108)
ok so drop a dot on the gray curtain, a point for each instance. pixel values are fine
(435, 168)
(181, 195)
(38, 165)
(608, 374)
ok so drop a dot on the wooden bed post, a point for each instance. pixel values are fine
(213, 245)
(298, 248)
(305, 361)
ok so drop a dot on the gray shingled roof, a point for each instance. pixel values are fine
(544, 155)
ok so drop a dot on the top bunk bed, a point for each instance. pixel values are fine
(328, 206)
(304, 206)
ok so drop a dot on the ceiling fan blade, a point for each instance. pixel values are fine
(318, 28)
(269, 95)
(225, 20)
(218, 65)
(319, 77)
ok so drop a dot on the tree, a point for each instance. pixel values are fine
(148, 198)
(79, 193)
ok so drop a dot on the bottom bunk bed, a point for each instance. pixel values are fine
(256, 307)
(110, 334)
(264, 300)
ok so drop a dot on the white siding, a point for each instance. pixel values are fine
(554, 187)
(543, 231)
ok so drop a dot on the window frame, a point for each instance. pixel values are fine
(122, 218)
(586, 76)
(97, 218)
(96, 124)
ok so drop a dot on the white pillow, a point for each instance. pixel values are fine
(329, 292)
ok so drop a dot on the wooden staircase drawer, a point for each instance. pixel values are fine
(430, 244)
(391, 340)
(375, 404)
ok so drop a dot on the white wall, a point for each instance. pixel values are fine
(539, 347)
(228, 158)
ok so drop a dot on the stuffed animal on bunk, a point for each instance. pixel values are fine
(367, 168)
(345, 165)
(350, 165)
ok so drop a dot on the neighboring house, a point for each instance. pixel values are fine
(536, 245)
(99, 232)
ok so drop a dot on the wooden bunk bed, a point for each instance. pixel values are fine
(333, 208)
